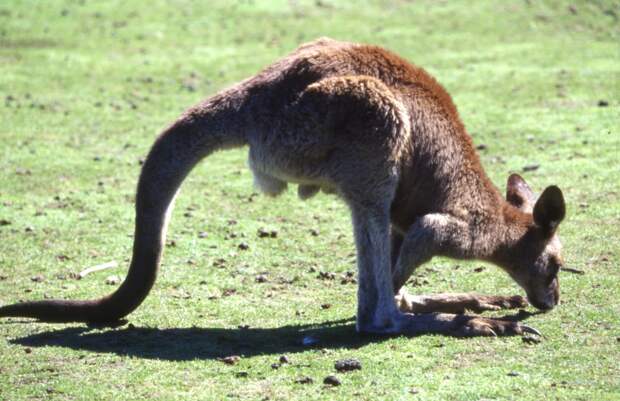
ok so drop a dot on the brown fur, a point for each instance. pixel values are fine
(361, 122)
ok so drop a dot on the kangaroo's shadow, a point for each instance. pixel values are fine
(182, 344)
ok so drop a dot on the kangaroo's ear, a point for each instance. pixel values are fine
(519, 194)
(549, 210)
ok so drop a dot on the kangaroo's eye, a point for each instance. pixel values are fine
(554, 268)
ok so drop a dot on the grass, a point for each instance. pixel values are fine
(86, 87)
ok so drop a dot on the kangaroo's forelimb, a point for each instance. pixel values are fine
(432, 234)
(456, 302)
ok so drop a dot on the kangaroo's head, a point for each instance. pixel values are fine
(533, 258)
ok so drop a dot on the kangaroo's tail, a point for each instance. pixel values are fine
(215, 124)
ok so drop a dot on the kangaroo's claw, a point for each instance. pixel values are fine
(529, 329)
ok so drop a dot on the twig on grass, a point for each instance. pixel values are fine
(571, 270)
(96, 268)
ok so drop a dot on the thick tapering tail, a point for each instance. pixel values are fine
(213, 125)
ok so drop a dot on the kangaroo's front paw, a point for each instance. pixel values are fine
(471, 326)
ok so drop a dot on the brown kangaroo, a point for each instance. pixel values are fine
(361, 122)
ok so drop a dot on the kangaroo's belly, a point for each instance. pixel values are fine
(274, 170)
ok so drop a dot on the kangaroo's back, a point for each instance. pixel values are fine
(328, 58)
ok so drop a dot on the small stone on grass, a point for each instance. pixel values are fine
(332, 380)
(347, 365)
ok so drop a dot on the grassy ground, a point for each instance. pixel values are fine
(84, 89)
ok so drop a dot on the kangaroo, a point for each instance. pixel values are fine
(361, 122)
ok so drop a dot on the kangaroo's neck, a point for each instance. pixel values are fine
(443, 174)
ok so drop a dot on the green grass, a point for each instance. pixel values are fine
(86, 86)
